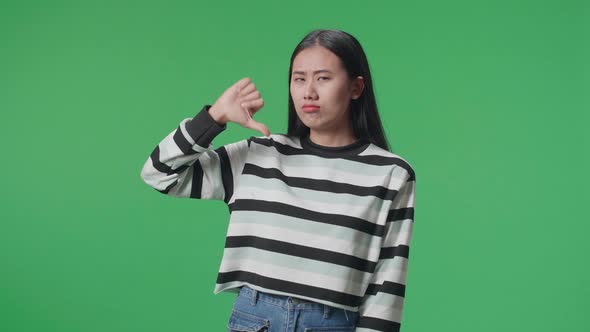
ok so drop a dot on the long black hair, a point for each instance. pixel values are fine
(364, 116)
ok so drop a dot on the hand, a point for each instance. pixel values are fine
(238, 104)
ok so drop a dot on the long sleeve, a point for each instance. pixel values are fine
(382, 305)
(185, 165)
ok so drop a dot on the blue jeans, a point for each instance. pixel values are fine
(254, 310)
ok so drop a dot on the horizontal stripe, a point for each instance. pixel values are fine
(291, 153)
(390, 252)
(400, 214)
(291, 273)
(337, 170)
(387, 287)
(319, 184)
(358, 224)
(377, 324)
(297, 289)
(340, 276)
(286, 149)
(254, 185)
(300, 251)
(253, 218)
(315, 240)
(273, 190)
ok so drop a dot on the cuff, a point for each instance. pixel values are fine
(203, 128)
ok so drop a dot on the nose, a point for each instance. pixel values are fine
(310, 92)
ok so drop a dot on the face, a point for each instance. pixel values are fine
(319, 79)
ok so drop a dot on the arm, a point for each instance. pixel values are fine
(184, 164)
(382, 305)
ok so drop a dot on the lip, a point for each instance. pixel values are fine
(310, 108)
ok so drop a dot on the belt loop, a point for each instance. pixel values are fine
(327, 311)
(254, 297)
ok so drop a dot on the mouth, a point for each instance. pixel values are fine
(310, 109)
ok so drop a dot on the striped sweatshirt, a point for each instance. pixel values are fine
(327, 224)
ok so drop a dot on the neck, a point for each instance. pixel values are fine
(333, 139)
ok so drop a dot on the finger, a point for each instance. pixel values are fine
(253, 106)
(253, 124)
(254, 94)
(242, 83)
(249, 88)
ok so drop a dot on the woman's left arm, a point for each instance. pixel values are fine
(382, 305)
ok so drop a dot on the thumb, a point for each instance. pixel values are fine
(253, 124)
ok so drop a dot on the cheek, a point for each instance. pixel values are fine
(332, 89)
(294, 95)
(343, 91)
(335, 95)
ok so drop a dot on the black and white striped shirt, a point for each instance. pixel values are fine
(327, 224)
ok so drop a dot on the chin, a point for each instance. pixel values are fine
(312, 126)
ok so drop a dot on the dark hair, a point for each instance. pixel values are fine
(364, 116)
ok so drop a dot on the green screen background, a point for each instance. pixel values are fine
(488, 100)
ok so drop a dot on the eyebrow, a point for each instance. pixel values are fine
(315, 72)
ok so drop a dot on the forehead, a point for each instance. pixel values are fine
(316, 58)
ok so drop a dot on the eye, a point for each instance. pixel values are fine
(299, 78)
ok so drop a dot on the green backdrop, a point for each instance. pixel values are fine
(488, 100)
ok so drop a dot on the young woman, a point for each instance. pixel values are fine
(321, 217)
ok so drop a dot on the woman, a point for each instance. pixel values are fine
(321, 217)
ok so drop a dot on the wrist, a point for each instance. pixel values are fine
(216, 116)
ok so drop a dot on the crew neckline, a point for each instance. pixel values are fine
(345, 150)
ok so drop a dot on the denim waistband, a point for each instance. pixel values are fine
(277, 299)
(286, 302)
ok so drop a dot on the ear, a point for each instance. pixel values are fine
(358, 85)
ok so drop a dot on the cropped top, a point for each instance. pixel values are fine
(327, 224)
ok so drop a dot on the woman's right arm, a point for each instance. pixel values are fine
(184, 164)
